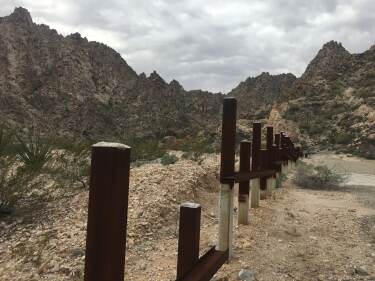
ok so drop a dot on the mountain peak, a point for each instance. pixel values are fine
(333, 46)
(155, 77)
(331, 60)
(21, 15)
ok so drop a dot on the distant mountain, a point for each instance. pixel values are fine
(71, 86)
(331, 105)
(257, 95)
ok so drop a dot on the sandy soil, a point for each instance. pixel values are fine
(297, 234)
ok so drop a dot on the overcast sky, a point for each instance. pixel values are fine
(211, 44)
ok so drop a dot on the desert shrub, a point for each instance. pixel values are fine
(70, 169)
(70, 144)
(33, 151)
(343, 138)
(317, 177)
(13, 184)
(168, 159)
(145, 149)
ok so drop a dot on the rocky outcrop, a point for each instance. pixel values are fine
(68, 85)
(256, 95)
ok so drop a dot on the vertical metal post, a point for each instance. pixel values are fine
(270, 158)
(243, 191)
(228, 137)
(269, 138)
(257, 131)
(278, 159)
(227, 164)
(255, 164)
(107, 212)
(188, 238)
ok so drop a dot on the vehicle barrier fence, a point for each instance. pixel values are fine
(260, 171)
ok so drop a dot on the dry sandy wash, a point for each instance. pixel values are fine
(297, 234)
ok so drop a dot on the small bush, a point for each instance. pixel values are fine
(168, 159)
(33, 152)
(13, 185)
(70, 169)
(145, 149)
(317, 177)
(343, 138)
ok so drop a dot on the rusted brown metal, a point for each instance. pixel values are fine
(207, 266)
(228, 138)
(256, 145)
(269, 137)
(188, 239)
(244, 186)
(107, 212)
(277, 140)
(263, 165)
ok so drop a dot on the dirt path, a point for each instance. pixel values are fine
(309, 235)
(296, 235)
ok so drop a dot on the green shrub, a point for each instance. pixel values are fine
(145, 149)
(343, 138)
(317, 177)
(168, 159)
(33, 152)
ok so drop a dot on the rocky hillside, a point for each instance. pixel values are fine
(331, 105)
(334, 100)
(256, 95)
(69, 85)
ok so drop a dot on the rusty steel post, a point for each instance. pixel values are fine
(228, 137)
(257, 132)
(255, 154)
(243, 191)
(227, 165)
(107, 212)
(277, 140)
(269, 138)
(188, 238)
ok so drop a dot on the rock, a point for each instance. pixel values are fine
(246, 275)
(361, 270)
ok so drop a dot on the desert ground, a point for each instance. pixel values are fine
(298, 234)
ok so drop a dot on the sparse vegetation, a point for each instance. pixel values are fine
(317, 177)
(168, 159)
(13, 184)
(33, 152)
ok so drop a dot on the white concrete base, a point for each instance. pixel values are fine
(255, 193)
(269, 187)
(243, 209)
(225, 218)
(273, 182)
(278, 180)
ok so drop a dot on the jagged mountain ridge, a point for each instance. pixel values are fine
(76, 87)
(71, 86)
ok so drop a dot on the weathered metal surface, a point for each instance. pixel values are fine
(228, 138)
(246, 176)
(269, 137)
(245, 151)
(256, 145)
(107, 212)
(207, 266)
(188, 238)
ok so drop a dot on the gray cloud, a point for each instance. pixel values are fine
(211, 44)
